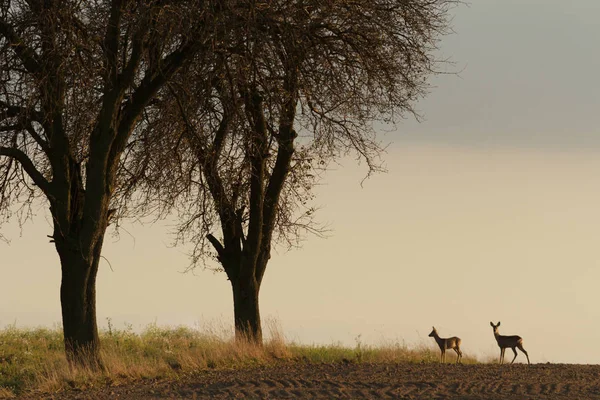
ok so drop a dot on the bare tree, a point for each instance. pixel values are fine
(75, 79)
(293, 85)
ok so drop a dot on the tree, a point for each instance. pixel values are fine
(75, 80)
(294, 85)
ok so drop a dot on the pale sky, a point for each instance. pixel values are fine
(490, 211)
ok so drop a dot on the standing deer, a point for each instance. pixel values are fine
(508, 341)
(448, 343)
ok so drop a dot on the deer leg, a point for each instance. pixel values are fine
(458, 354)
(514, 351)
(520, 346)
(501, 355)
(443, 356)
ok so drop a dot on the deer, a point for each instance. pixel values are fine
(447, 343)
(513, 342)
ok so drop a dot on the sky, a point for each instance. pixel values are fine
(489, 211)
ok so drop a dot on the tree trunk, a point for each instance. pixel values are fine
(78, 303)
(246, 310)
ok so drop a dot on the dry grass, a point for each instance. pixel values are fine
(33, 360)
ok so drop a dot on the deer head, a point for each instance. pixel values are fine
(433, 332)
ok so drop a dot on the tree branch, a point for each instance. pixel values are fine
(126, 77)
(148, 88)
(12, 111)
(285, 151)
(111, 42)
(25, 53)
(43, 144)
(28, 166)
(25, 117)
(216, 244)
(208, 158)
(256, 149)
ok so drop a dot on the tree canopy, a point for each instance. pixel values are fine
(238, 141)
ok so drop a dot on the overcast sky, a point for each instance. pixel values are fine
(490, 211)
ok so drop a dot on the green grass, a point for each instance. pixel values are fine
(33, 361)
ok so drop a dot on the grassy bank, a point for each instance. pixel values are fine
(33, 360)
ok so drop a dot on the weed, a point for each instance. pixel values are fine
(33, 359)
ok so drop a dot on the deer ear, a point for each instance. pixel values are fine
(498, 323)
(433, 327)
(492, 324)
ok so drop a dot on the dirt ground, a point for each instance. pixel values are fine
(367, 381)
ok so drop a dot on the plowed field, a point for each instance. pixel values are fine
(368, 381)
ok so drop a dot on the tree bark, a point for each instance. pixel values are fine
(246, 310)
(79, 257)
(78, 303)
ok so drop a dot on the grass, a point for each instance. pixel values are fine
(33, 361)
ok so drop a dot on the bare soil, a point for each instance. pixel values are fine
(366, 381)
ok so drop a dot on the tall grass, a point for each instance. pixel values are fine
(32, 360)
